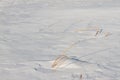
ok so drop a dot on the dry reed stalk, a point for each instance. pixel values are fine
(67, 49)
(88, 29)
(58, 61)
(61, 62)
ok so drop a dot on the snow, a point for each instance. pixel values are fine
(36, 32)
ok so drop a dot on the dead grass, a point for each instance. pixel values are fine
(88, 29)
(99, 32)
(107, 34)
(59, 61)
(97, 29)
(62, 58)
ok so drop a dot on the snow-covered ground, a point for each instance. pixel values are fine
(34, 33)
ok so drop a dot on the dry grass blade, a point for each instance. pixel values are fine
(62, 58)
(58, 61)
(67, 49)
(107, 34)
(98, 32)
(88, 29)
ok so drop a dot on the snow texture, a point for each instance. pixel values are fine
(33, 33)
